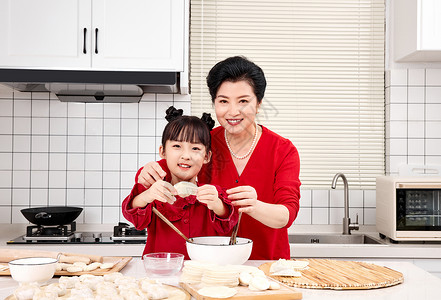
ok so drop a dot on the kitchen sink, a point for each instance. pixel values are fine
(330, 238)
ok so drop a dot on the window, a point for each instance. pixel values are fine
(324, 64)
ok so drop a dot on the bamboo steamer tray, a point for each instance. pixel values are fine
(120, 262)
(340, 275)
(244, 293)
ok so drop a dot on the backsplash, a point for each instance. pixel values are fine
(86, 155)
(93, 149)
(413, 118)
(327, 206)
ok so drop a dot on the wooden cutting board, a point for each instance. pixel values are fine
(8, 254)
(340, 275)
(244, 293)
(120, 262)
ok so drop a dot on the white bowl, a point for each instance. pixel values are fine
(33, 269)
(215, 249)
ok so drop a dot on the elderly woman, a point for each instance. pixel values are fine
(259, 167)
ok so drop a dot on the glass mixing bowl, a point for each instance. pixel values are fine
(163, 263)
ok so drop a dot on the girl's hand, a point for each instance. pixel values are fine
(160, 191)
(208, 194)
(151, 173)
(245, 197)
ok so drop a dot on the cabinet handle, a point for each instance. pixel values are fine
(84, 40)
(96, 40)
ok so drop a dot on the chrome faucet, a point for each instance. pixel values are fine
(347, 225)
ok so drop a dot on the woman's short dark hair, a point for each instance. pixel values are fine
(187, 129)
(233, 69)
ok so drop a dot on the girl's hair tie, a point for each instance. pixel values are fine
(172, 113)
(206, 118)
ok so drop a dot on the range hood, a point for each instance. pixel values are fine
(92, 86)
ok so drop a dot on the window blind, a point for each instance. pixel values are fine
(324, 65)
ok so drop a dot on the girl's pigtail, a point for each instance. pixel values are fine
(172, 113)
(206, 118)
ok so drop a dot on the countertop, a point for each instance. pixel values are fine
(418, 284)
(384, 251)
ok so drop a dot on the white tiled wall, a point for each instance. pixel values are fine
(413, 118)
(78, 154)
(327, 206)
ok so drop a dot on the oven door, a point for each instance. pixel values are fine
(418, 207)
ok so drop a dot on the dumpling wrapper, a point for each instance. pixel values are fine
(287, 272)
(283, 264)
(259, 283)
(186, 188)
(217, 292)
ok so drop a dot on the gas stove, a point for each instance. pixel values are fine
(61, 234)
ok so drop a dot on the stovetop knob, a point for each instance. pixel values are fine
(78, 236)
(97, 236)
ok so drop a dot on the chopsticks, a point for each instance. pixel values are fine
(235, 229)
(161, 216)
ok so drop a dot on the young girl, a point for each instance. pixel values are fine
(185, 146)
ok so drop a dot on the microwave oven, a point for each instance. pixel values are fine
(409, 208)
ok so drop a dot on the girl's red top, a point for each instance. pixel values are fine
(189, 215)
(273, 170)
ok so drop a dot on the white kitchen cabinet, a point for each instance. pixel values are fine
(417, 30)
(44, 34)
(92, 34)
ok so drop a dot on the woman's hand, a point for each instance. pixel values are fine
(208, 194)
(160, 191)
(151, 173)
(245, 197)
(271, 215)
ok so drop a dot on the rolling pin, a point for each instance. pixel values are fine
(6, 255)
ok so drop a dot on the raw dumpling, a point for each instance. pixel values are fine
(68, 282)
(74, 269)
(186, 188)
(92, 266)
(112, 276)
(26, 291)
(45, 295)
(155, 291)
(58, 288)
(107, 265)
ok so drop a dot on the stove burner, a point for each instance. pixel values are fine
(123, 229)
(126, 234)
(67, 234)
(51, 231)
(58, 232)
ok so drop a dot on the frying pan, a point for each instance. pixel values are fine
(51, 215)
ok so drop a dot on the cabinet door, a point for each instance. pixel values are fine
(138, 35)
(430, 28)
(45, 34)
